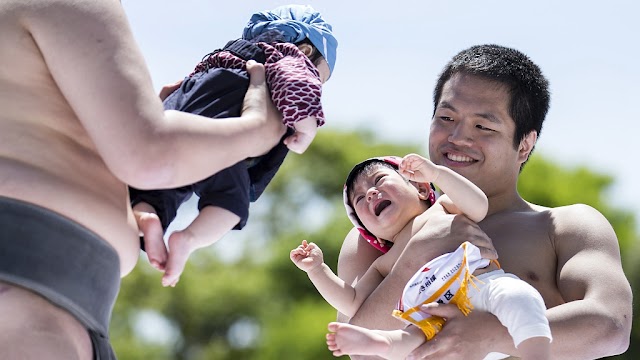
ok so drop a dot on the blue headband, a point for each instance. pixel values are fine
(296, 23)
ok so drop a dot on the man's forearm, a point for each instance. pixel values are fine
(580, 332)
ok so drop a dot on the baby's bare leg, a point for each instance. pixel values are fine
(535, 348)
(347, 339)
(151, 228)
(211, 224)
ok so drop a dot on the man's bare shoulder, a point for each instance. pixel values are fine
(574, 215)
(554, 221)
(580, 227)
(570, 220)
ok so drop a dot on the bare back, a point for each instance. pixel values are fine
(78, 121)
(46, 156)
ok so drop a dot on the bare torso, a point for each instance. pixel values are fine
(523, 240)
(48, 159)
(525, 247)
(78, 119)
(46, 156)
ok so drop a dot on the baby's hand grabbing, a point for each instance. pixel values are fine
(418, 168)
(307, 256)
(305, 132)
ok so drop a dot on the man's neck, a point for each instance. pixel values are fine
(507, 202)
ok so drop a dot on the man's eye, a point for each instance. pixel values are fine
(483, 128)
(445, 118)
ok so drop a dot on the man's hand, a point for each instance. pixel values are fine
(463, 337)
(258, 105)
(439, 234)
(169, 89)
(442, 234)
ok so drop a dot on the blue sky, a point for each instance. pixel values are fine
(391, 52)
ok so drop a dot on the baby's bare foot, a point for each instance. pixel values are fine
(347, 339)
(180, 247)
(154, 246)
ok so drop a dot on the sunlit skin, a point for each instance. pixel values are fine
(551, 248)
(385, 202)
(306, 129)
(212, 222)
(472, 133)
(80, 121)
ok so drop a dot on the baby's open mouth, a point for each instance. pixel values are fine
(381, 206)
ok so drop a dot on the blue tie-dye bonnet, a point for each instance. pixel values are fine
(296, 22)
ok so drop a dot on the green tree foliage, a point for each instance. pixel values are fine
(259, 305)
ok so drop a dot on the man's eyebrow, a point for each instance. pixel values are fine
(446, 105)
(491, 117)
(488, 116)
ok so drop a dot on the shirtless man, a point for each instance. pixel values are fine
(76, 100)
(485, 130)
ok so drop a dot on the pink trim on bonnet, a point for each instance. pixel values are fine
(351, 213)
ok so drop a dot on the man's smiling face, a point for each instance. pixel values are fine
(472, 133)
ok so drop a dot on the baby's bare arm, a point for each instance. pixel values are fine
(467, 197)
(342, 296)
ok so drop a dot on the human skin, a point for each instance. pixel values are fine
(553, 249)
(390, 206)
(80, 120)
(346, 339)
(306, 129)
(212, 222)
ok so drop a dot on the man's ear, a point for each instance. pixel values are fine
(307, 49)
(526, 146)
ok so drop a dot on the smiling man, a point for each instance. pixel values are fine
(490, 103)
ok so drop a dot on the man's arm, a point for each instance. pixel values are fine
(442, 234)
(95, 62)
(594, 322)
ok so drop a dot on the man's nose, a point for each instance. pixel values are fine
(461, 134)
